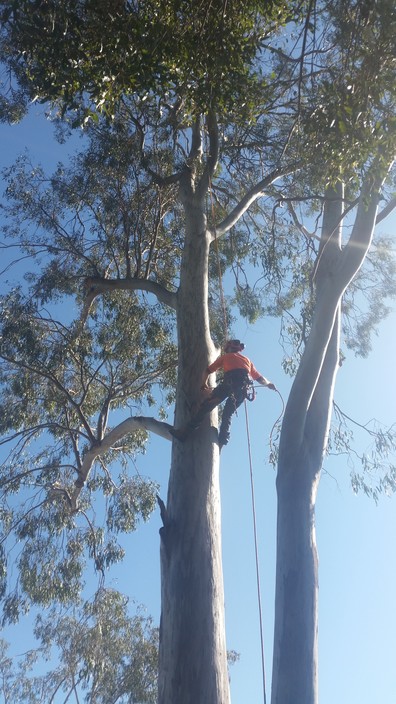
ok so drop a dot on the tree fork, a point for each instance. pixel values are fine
(302, 446)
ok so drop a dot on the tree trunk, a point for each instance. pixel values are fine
(193, 659)
(302, 447)
(295, 645)
(295, 670)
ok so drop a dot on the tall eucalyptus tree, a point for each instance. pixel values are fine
(201, 123)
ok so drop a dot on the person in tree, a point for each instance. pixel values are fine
(238, 373)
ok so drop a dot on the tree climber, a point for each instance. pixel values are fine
(238, 372)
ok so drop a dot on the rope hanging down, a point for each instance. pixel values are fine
(256, 555)
(255, 535)
(225, 326)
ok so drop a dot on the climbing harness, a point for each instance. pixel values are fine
(250, 391)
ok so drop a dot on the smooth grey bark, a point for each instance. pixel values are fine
(193, 658)
(302, 447)
(295, 666)
(303, 438)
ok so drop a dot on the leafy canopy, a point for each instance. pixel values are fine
(99, 650)
(97, 51)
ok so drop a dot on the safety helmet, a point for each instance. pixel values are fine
(234, 346)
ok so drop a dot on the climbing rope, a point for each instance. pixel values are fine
(271, 435)
(255, 533)
(225, 324)
(256, 554)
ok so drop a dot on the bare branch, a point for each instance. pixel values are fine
(196, 141)
(212, 158)
(386, 211)
(299, 225)
(94, 286)
(255, 192)
(163, 180)
(365, 222)
(98, 449)
(344, 415)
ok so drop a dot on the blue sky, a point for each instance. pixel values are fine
(356, 538)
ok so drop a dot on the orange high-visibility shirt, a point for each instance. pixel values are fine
(234, 360)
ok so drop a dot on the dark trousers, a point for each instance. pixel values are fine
(233, 388)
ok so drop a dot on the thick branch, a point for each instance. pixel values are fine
(327, 302)
(366, 219)
(309, 370)
(386, 211)
(337, 269)
(97, 450)
(319, 413)
(212, 158)
(196, 141)
(361, 237)
(255, 192)
(190, 168)
(96, 285)
(163, 180)
(303, 49)
(327, 262)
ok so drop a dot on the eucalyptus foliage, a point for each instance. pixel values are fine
(62, 378)
(99, 52)
(100, 652)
